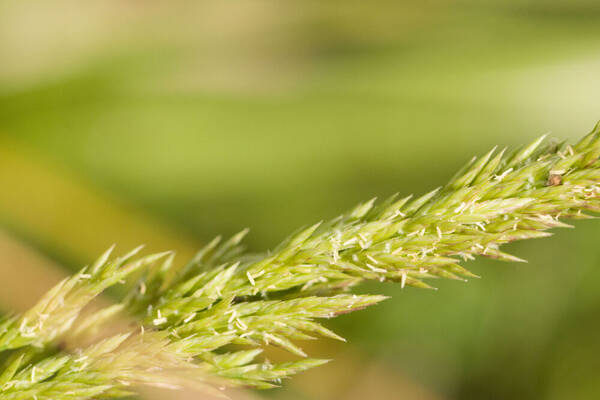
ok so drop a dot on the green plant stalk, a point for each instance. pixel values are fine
(224, 297)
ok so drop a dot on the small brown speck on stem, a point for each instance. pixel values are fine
(554, 180)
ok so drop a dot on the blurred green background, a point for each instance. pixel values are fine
(167, 123)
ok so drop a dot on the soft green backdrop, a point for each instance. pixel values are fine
(198, 118)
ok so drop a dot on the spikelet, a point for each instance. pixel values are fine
(222, 297)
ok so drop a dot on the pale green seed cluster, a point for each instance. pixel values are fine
(212, 318)
(55, 313)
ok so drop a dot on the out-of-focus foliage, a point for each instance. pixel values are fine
(212, 116)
